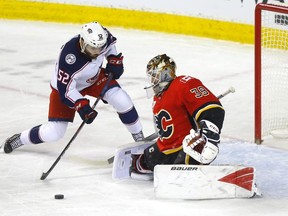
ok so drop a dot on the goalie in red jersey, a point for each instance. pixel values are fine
(188, 116)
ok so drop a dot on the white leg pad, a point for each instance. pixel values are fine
(122, 159)
(204, 182)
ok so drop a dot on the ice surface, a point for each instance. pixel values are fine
(28, 52)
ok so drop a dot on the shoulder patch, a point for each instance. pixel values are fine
(70, 58)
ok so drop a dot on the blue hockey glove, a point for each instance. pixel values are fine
(86, 113)
(115, 65)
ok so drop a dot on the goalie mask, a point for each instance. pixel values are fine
(160, 71)
(93, 39)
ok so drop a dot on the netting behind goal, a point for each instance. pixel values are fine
(271, 70)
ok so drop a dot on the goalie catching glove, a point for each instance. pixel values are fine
(202, 145)
(86, 113)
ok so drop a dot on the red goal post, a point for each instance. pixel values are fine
(271, 69)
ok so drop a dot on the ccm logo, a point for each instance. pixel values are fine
(185, 168)
(116, 62)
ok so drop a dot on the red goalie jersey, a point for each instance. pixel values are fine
(176, 108)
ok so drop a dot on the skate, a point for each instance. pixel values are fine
(12, 143)
(138, 136)
(137, 171)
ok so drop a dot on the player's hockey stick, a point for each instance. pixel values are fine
(45, 174)
(154, 135)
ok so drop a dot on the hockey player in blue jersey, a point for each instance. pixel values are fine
(79, 72)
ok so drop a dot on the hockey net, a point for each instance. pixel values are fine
(271, 71)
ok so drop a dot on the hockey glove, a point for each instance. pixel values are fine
(86, 113)
(115, 65)
(202, 145)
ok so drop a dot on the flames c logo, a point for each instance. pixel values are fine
(164, 125)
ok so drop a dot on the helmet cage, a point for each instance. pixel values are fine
(160, 72)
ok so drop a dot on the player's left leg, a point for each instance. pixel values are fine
(121, 102)
(127, 113)
(59, 116)
(48, 132)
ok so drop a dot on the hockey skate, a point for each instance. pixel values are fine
(12, 143)
(137, 171)
(138, 136)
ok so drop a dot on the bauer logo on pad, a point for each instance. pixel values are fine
(184, 168)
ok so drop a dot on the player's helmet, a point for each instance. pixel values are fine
(161, 71)
(94, 39)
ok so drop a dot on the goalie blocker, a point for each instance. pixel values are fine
(189, 181)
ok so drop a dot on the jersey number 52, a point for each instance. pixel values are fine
(63, 77)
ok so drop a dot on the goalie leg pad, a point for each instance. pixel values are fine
(123, 158)
(204, 182)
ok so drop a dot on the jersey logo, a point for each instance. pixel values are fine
(89, 30)
(100, 37)
(70, 58)
(93, 79)
(163, 123)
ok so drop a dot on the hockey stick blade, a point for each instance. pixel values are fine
(45, 174)
(148, 138)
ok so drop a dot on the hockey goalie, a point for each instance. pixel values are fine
(189, 119)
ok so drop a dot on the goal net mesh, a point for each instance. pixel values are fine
(274, 71)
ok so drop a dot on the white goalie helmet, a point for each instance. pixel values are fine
(160, 71)
(93, 39)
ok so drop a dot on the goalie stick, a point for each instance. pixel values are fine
(230, 90)
(154, 135)
(45, 174)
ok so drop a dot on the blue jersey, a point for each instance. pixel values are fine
(74, 71)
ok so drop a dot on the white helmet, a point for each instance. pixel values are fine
(160, 71)
(94, 37)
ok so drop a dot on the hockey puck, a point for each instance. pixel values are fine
(59, 196)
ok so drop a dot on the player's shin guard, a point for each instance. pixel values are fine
(34, 135)
(131, 120)
(128, 115)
